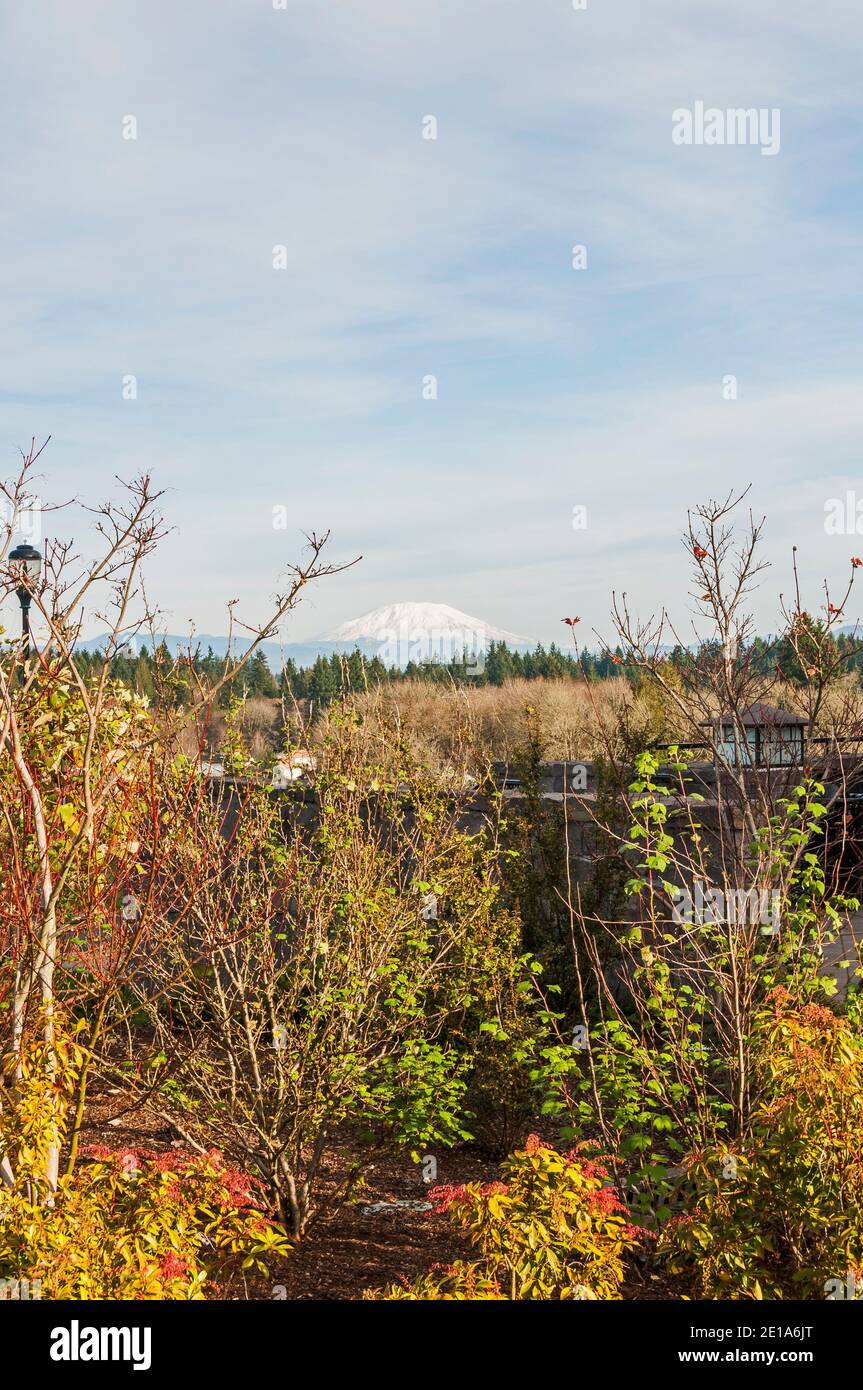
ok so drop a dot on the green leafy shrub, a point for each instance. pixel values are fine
(340, 963)
(781, 1214)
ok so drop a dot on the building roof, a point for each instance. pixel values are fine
(763, 716)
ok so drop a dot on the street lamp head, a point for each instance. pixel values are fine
(27, 561)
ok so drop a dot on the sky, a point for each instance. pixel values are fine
(300, 391)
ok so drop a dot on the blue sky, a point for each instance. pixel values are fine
(302, 387)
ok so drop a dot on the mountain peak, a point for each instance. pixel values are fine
(435, 628)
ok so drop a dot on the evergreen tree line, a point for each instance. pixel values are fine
(151, 672)
(154, 673)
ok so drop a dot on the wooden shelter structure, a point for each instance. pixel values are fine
(760, 736)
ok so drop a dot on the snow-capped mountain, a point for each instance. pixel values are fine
(422, 620)
(398, 633)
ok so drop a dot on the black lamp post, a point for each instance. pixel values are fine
(27, 561)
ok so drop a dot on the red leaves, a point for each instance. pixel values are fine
(698, 551)
(173, 1266)
(856, 562)
(442, 1197)
(831, 608)
(589, 1166)
(233, 1189)
(570, 622)
(605, 1202)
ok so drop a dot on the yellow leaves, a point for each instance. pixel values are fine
(126, 1227)
(69, 817)
(552, 1228)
